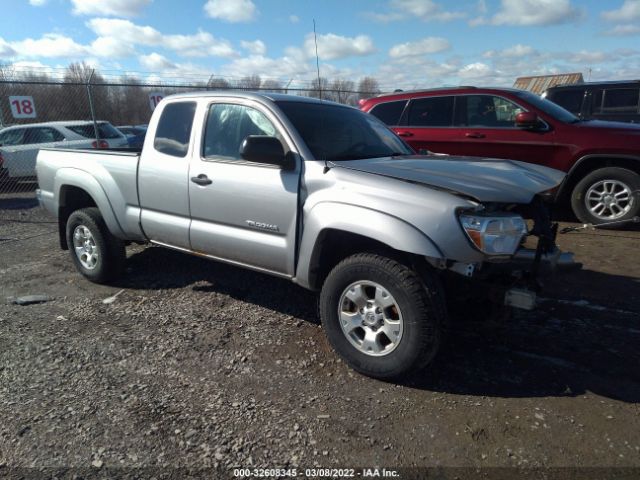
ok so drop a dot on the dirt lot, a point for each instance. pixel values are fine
(198, 365)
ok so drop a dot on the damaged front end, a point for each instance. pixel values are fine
(515, 277)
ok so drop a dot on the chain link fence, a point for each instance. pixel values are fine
(78, 110)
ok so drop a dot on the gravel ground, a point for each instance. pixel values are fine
(198, 365)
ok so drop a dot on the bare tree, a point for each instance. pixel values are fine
(368, 87)
(271, 85)
(218, 83)
(342, 90)
(319, 87)
(250, 82)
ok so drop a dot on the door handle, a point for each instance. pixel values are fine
(202, 179)
(474, 135)
(405, 134)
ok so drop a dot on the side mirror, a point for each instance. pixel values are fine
(265, 149)
(527, 120)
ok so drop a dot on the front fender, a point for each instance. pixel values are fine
(85, 181)
(373, 224)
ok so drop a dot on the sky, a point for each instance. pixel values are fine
(401, 43)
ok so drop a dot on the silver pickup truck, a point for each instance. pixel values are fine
(321, 194)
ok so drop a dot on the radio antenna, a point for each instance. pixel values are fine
(315, 39)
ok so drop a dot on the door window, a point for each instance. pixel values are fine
(389, 112)
(431, 112)
(42, 135)
(227, 127)
(12, 137)
(174, 129)
(486, 111)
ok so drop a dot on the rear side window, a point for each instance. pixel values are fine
(174, 129)
(569, 99)
(431, 112)
(389, 112)
(43, 135)
(617, 100)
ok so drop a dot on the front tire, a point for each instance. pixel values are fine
(608, 194)
(380, 316)
(95, 252)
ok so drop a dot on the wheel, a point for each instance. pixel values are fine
(96, 253)
(380, 316)
(607, 195)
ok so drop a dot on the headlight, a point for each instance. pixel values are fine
(496, 234)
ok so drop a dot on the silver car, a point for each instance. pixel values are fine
(19, 144)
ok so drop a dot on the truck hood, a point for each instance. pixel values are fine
(482, 179)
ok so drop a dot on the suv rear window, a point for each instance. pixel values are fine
(105, 130)
(174, 129)
(389, 112)
(431, 112)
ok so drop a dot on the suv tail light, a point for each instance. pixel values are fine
(99, 144)
(1, 159)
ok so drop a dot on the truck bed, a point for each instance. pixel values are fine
(112, 174)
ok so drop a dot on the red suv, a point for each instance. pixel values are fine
(602, 159)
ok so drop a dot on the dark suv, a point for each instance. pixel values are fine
(602, 159)
(614, 101)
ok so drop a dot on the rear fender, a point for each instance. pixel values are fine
(86, 182)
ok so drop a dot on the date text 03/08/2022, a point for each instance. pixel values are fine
(316, 472)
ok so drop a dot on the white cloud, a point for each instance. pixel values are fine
(111, 47)
(114, 8)
(517, 51)
(535, 12)
(629, 12)
(125, 31)
(128, 34)
(233, 11)
(50, 45)
(156, 62)
(425, 10)
(475, 71)
(623, 31)
(333, 47)
(6, 50)
(257, 47)
(294, 18)
(421, 47)
(37, 3)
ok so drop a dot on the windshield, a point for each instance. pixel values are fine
(548, 107)
(334, 132)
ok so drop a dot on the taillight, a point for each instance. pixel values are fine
(1, 159)
(99, 144)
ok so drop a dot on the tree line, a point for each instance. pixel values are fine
(125, 101)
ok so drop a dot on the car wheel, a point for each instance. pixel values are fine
(381, 316)
(96, 253)
(607, 195)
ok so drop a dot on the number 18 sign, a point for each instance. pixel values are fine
(155, 99)
(22, 107)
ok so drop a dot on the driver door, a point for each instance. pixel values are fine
(241, 211)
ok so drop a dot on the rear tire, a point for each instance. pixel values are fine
(95, 252)
(608, 194)
(380, 316)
